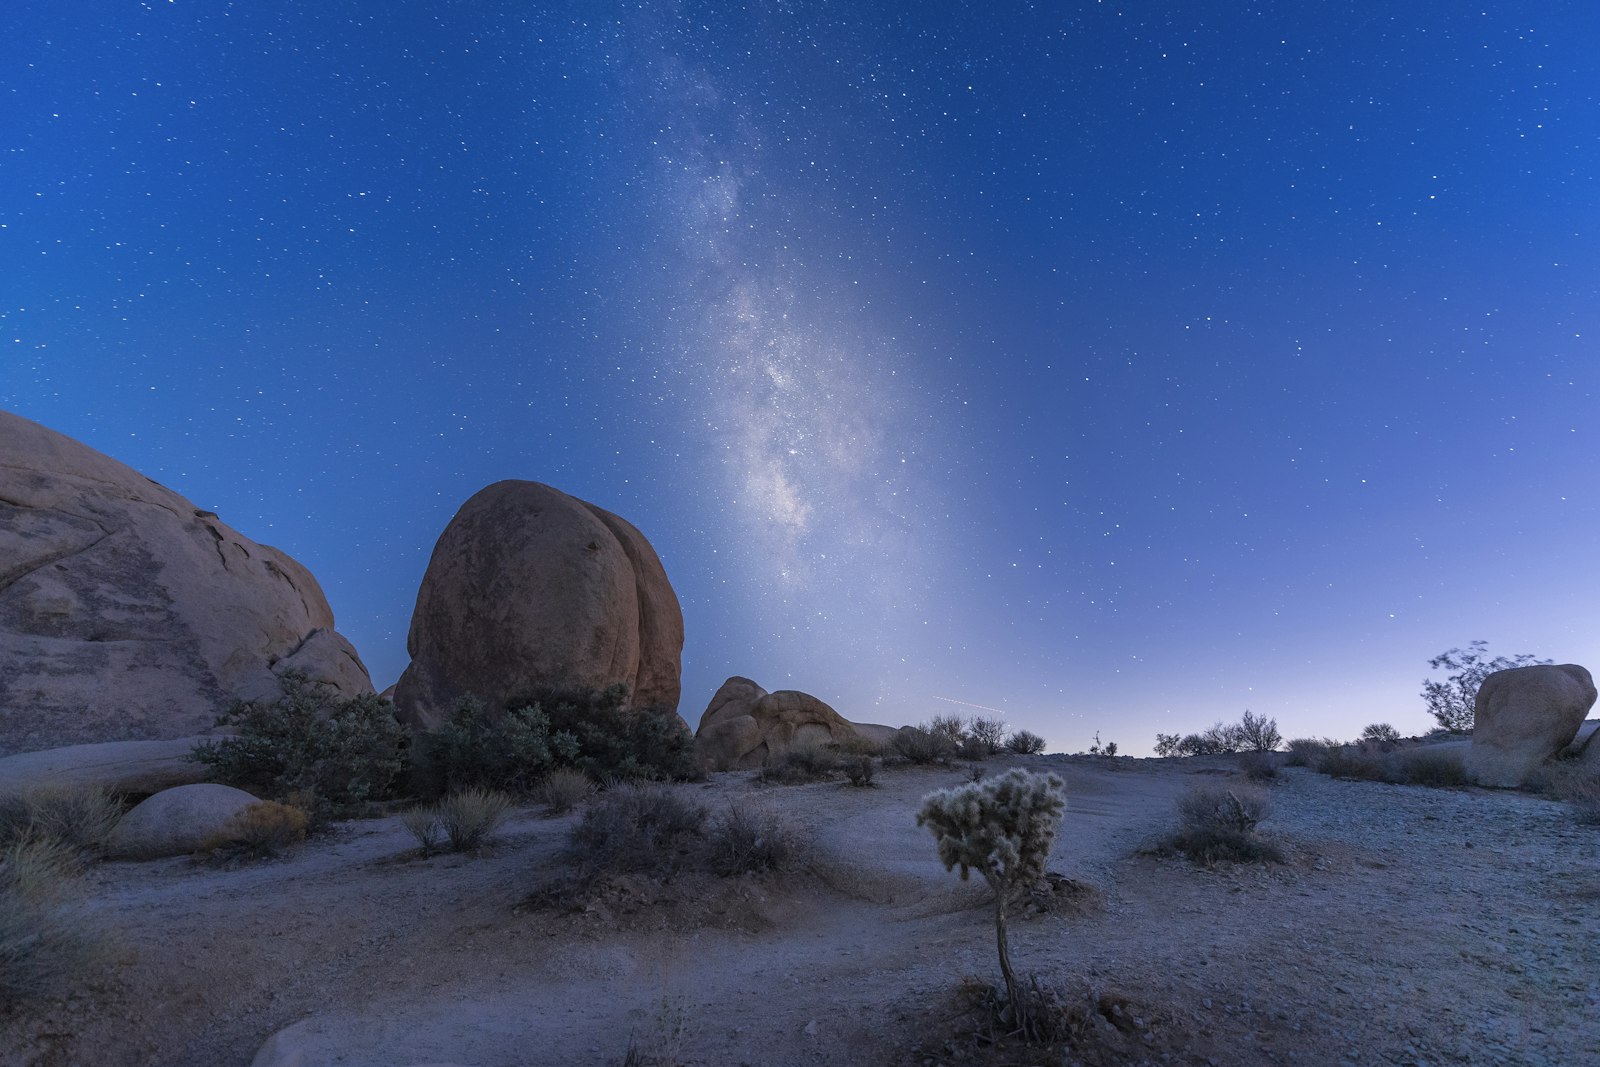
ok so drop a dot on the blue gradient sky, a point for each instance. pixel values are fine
(1117, 367)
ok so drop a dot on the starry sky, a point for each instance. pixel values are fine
(1115, 366)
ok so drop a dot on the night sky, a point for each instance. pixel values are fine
(1116, 366)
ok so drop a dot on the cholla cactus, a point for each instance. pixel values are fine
(1003, 829)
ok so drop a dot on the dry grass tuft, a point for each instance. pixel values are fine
(564, 789)
(471, 817)
(261, 831)
(46, 943)
(79, 817)
(746, 841)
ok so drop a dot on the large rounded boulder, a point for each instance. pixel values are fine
(1522, 717)
(176, 821)
(745, 726)
(531, 589)
(128, 614)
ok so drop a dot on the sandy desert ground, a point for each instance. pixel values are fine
(1409, 926)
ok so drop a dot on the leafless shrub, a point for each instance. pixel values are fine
(1575, 782)
(860, 770)
(1259, 766)
(636, 827)
(990, 734)
(1306, 751)
(923, 746)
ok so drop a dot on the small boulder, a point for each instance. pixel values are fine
(175, 822)
(529, 588)
(1523, 716)
(132, 768)
(744, 726)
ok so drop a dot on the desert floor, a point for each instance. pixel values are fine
(1409, 926)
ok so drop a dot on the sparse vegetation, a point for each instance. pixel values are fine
(1003, 829)
(564, 789)
(1307, 751)
(1259, 766)
(952, 728)
(46, 941)
(636, 826)
(78, 817)
(1452, 702)
(1108, 748)
(988, 734)
(1025, 743)
(1576, 782)
(799, 764)
(422, 823)
(1380, 732)
(615, 741)
(261, 831)
(1218, 824)
(1415, 766)
(1254, 733)
(1258, 733)
(346, 752)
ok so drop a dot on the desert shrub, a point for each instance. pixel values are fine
(1258, 733)
(564, 789)
(1453, 701)
(1099, 748)
(952, 728)
(989, 733)
(1003, 829)
(422, 823)
(856, 745)
(346, 752)
(469, 818)
(798, 764)
(77, 816)
(1169, 745)
(923, 746)
(260, 831)
(1025, 743)
(1352, 761)
(1574, 781)
(636, 826)
(1218, 824)
(1421, 767)
(1259, 766)
(1307, 751)
(474, 749)
(860, 770)
(1380, 732)
(970, 748)
(615, 741)
(46, 941)
(748, 840)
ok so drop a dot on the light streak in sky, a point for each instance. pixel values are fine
(969, 704)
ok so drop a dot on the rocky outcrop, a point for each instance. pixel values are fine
(131, 768)
(744, 726)
(1522, 717)
(530, 588)
(176, 822)
(126, 613)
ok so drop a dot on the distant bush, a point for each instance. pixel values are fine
(473, 749)
(1257, 733)
(1098, 748)
(615, 741)
(1259, 766)
(1575, 782)
(1306, 751)
(564, 789)
(973, 750)
(79, 817)
(261, 831)
(952, 728)
(1025, 743)
(1380, 732)
(989, 734)
(859, 770)
(47, 941)
(1414, 766)
(746, 841)
(1453, 701)
(1437, 769)
(1218, 824)
(1352, 761)
(347, 753)
(799, 764)
(923, 746)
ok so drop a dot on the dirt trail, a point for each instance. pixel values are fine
(1385, 940)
